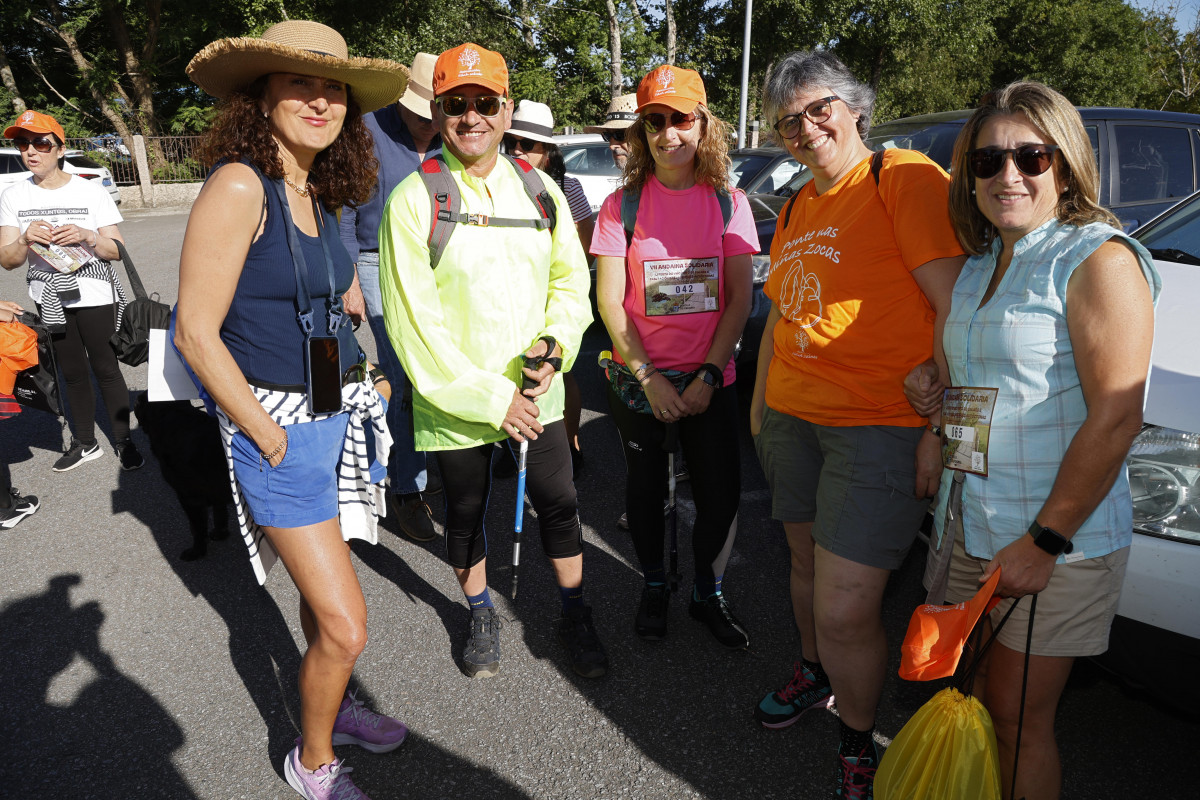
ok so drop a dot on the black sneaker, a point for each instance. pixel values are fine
(481, 658)
(76, 454)
(651, 622)
(716, 614)
(856, 774)
(22, 506)
(802, 693)
(131, 459)
(578, 635)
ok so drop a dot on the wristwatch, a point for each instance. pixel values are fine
(712, 375)
(1049, 539)
(936, 430)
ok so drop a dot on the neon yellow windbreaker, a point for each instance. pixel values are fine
(460, 330)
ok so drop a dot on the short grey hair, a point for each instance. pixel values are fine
(803, 69)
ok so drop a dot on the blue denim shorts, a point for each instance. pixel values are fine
(302, 490)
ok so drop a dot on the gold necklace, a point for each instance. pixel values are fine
(303, 192)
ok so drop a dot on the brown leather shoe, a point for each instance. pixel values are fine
(414, 518)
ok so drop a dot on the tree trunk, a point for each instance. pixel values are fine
(616, 83)
(10, 83)
(670, 13)
(525, 12)
(139, 80)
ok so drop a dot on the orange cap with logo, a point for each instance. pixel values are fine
(681, 89)
(470, 65)
(36, 122)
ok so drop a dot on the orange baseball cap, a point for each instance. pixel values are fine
(936, 634)
(36, 122)
(470, 65)
(681, 89)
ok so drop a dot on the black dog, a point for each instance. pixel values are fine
(187, 443)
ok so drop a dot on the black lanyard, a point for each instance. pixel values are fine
(304, 309)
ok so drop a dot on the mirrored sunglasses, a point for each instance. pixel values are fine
(817, 112)
(1030, 159)
(455, 105)
(680, 121)
(42, 144)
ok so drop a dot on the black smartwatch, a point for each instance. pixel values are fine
(1050, 540)
(712, 375)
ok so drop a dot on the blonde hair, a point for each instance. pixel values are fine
(1059, 122)
(712, 153)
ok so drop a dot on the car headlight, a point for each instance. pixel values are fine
(1164, 480)
(761, 262)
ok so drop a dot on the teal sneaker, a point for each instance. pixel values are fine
(802, 693)
(856, 774)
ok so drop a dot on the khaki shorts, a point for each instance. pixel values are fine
(1074, 612)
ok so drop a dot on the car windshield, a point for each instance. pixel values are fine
(82, 161)
(589, 159)
(746, 167)
(1176, 235)
(935, 141)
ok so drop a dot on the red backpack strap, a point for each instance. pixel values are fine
(535, 187)
(445, 202)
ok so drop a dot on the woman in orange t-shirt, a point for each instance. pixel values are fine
(862, 266)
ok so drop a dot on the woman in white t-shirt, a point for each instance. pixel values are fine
(65, 228)
(674, 292)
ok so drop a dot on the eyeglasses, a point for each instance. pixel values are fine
(526, 145)
(615, 136)
(817, 112)
(679, 120)
(1030, 159)
(455, 105)
(42, 144)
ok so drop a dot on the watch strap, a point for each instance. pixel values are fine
(712, 375)
(1049, 539)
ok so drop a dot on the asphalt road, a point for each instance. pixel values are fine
(127, 673)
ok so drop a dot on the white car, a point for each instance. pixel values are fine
(589, 161)
(76, 162)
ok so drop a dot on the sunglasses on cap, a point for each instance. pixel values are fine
(526, 145)
(455, 105)
(817, 112)
(42, 144)
(678, 120)
(1030, 159)
(615, 136)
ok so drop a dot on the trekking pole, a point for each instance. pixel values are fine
(527, 383)
(670, 443)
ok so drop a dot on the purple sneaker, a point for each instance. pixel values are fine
(356, 724)
(330, 782)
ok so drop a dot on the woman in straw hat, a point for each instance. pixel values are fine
(289, 147)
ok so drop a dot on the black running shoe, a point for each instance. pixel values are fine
(131, 459)
(76, 454)
(578, 636)
(722, 624)
(481, 658)
(22, 506)
(651, 622)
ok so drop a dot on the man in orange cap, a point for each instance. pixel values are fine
(506, 286)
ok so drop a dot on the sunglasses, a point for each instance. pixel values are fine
(1030, 159)
(679, 120)
(455, 105)
(615, 136)
(817, 112)
(43, 144)
(526, 145)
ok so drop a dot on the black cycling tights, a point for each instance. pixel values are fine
(710, 445)
(467, 478)
(86, 343)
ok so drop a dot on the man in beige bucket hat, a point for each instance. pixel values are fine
(622, 111)
(404, 136)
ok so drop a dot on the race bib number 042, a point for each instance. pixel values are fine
(967, 424)
(682, 286)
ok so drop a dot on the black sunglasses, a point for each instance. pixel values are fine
(42, 144)
(1030, 159)
(614, 136)
(817, 112)
(679, 120)
(455, 105)
(527, 145)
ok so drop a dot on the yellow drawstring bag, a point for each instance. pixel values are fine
(946, 751)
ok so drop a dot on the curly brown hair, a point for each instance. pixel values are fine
(712, 153)
(343, 174)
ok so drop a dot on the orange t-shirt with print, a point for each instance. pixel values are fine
(854, 321)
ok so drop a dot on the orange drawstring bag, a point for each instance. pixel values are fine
(936, 634)
(18, 351)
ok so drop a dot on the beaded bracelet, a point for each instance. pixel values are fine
(278, 449)
(644, 371)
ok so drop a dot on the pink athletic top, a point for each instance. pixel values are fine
(675, 269)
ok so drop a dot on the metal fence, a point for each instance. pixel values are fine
(171, 159)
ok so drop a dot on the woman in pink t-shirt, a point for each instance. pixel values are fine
(674, 292)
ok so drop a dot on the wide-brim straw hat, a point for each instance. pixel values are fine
(622, 112)
(302, 47)
(419, 92)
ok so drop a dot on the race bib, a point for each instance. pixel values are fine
(682, 286)
(967, 425)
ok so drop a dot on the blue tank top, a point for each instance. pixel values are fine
(261, 329)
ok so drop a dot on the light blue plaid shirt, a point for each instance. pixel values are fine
(1019, 343)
